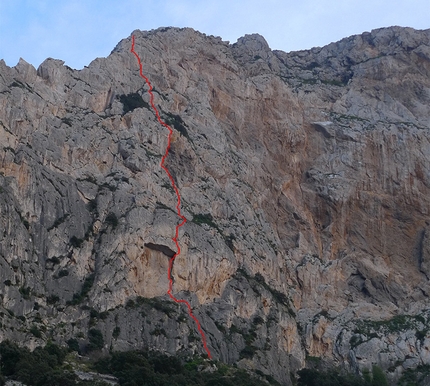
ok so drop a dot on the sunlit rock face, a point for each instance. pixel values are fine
(304, 178)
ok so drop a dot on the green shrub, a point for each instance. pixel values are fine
(143, 368)
(164, 364)
(204, 219)
(96, 341)
(25, 292)
(34, 368)
(43, 367)
(86, 287)
(63, 378)
(35, 331)
(312, 377)
(54, 260)
(73, 345)
(378, 377)
(66, 121)
(63, 272)
(10, 356)
(412, 377)
(57, 352)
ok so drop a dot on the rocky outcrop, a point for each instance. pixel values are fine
(304, 178)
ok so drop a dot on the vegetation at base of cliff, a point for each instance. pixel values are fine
(96, 341)
(312, 377)
(51, 366)
(414, 377)
(41, 367)
(137, 367)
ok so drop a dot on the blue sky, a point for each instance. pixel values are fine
(78, 31)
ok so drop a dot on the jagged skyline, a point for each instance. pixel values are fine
(78, 32)
(303, 177)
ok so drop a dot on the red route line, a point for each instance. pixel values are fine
(178, 204)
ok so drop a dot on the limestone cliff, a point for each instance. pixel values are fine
(304, 177)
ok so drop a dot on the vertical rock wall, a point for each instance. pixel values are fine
(304, 178)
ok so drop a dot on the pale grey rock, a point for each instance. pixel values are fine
(304, 179)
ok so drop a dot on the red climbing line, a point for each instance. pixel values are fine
(178, 204)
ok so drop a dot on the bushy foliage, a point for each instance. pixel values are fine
(36, 368)
(413, 377)
(44, 366)
(378, 377)
(96, 340)
(312, 377)
(136, 368)
(79, 297)
(73, 345)
(10, 355)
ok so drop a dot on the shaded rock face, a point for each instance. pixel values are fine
(304, 177)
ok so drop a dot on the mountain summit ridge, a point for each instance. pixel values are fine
(304, 178)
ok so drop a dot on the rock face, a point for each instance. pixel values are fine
(304, 177)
